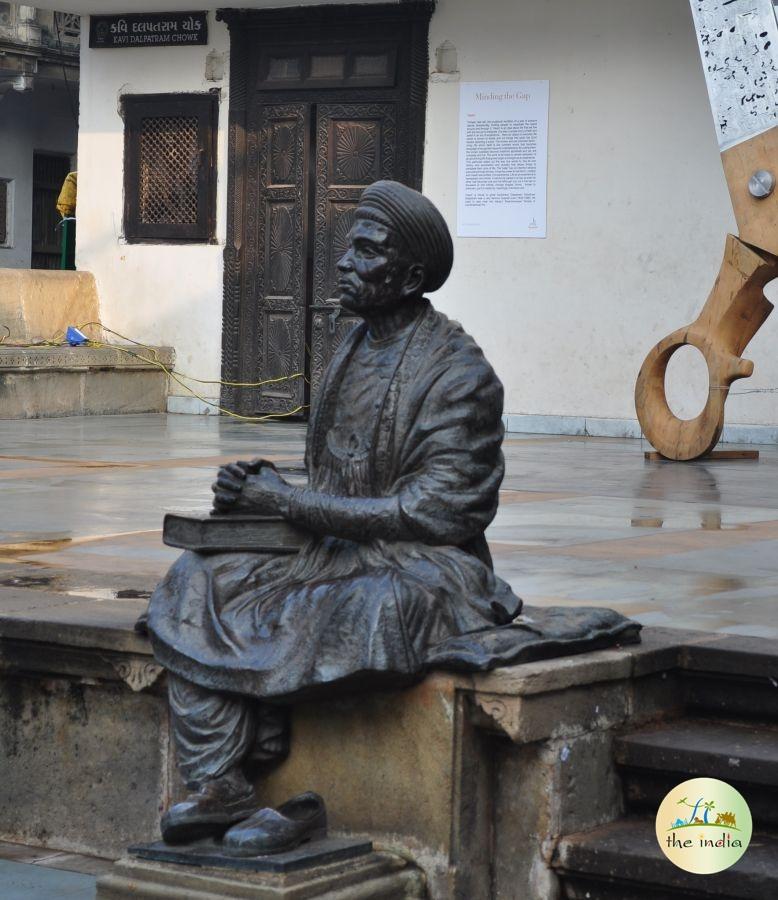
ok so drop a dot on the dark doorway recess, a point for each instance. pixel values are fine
(49, 171)
(323, 101)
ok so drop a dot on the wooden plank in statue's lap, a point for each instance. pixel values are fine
(214, 534)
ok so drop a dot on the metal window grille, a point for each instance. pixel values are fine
(68, 24)
(169, 162)
(3, 212)
(169, 167)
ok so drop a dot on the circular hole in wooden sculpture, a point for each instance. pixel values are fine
(686, 382)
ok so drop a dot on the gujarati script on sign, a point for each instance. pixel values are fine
(169, 29)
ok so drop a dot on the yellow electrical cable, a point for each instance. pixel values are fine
(186, 387)
(171, 373)
(192, 377)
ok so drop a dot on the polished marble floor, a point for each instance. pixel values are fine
(582, 520)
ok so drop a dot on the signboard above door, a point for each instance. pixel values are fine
(174, 29)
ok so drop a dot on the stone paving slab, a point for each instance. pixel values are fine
(53, 859)
(20, 881)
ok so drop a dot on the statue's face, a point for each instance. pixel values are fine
(373, 273)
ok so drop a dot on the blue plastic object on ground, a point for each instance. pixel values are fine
(75, 337)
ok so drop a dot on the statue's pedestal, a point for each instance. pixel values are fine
(369, 876)
(210, 853)
(473, 777)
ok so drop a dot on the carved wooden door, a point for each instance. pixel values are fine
(323, 101)
(351, 145)
(355, 146)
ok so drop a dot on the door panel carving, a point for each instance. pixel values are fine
(283, 152)
(356, 144)
(274, 345)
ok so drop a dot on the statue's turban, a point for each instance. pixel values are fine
(417, 221)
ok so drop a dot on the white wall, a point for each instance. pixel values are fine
(638, 207)
(37, 120)
(162, 294)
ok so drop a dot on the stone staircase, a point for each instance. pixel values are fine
(728, 729)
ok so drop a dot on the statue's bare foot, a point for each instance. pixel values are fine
(208, 812)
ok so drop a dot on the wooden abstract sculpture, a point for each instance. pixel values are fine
(738, 41)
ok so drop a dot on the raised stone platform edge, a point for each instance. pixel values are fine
(475, 778)
(52, 381)
(377, 876)
(63, 357)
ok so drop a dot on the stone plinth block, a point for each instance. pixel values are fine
(397, 767)
(85, 757)
(40, 382)
(83, 767)
(210, 852)
(376, 876)
(38, 304)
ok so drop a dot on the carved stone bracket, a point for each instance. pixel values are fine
(138, 674)
(499, 712)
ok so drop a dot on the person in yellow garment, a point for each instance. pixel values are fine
(66, 202)
(66, 205)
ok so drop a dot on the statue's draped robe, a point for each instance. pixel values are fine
(416, 419)
(411, 429)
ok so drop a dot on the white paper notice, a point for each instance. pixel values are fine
(503, 151)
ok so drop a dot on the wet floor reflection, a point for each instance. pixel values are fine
(664, 483)
(582, 521)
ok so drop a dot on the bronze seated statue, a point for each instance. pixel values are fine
(404, 465)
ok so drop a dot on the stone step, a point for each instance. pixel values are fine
(653, 760)
(732, 696)
(622, 861)
(644, 790)
(46, 381)
(731, 676)
(743, 751)
(732, 655)
(745, 755)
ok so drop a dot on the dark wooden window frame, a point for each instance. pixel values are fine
(49, 170)
(244, 25)
(205, 108)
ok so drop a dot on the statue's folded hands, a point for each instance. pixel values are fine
(254, 487)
